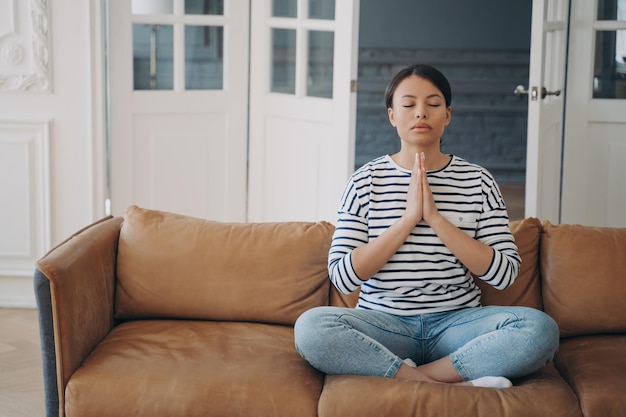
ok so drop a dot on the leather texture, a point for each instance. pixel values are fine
(584, 278)
(205, 313)
(164, 368)
(595, 367)
(81, 271)
(543, 394)
(174, 266)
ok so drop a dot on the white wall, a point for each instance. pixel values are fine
(50, 134)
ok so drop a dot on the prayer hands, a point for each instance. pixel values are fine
(420, 202)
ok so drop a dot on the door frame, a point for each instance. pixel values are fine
(544, 152)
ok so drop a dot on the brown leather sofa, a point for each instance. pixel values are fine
(157, 314)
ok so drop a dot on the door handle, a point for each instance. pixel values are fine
(520, 90)
(545, 93)
(534, 92)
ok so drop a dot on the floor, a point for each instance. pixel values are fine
(514, 194)
(21, 380)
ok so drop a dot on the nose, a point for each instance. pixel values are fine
(420, 112)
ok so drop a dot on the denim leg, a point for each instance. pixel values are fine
(338, 340)
(497, 341)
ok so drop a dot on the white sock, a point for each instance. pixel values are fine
(410, 362)
(492, 382)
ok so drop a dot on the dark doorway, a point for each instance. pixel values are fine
(483, 47)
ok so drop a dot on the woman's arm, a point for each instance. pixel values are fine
(478, 257)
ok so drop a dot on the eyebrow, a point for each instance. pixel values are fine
(430, 96)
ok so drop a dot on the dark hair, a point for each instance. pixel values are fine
(427, 72)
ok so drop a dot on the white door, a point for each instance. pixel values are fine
(302, 107)
(594, 173)
(546, 93)
(178, 106)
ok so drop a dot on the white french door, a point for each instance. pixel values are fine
(302, 107)
(594, 186)
(263, 132)
(178, 106)
(546, 98)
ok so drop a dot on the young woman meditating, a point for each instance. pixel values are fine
(412, 227)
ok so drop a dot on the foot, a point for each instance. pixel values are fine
(410, 362)
(492, 382)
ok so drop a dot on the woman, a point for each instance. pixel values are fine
(412, 228)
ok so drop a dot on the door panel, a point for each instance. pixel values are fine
(546, 100)
(302, 108)
(179, 167)
(178, 107)
(595, 147)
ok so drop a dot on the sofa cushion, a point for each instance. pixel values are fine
(150, 368)
(583, 272)
(544, 393)
(525, 291)
(175, 266)
(595, 367)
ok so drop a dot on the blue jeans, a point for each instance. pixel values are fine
(480, 341)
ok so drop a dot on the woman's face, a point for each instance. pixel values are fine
(419, 112)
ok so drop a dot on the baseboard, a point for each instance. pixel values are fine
(17, 292)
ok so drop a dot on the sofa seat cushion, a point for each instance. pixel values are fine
(544, 393)
(595, 367)
(175, 266)
(194, 368)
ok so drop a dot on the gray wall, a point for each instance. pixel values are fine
(483, 48)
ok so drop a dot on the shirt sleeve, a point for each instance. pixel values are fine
(493, 230)
(351, 232)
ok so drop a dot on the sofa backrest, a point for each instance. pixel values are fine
(583, 273)
(175, 266)
(525, 291)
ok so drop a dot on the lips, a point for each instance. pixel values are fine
(421, 126)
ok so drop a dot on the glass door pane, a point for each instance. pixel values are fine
(283, 61)
(284, 8)
(204, 7)
(153, 57)
(322, 9)
(140, 7)
(204, 57)
(320, 72)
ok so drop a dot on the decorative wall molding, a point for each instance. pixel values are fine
(7, 18)
(25, 181)
(25, 61)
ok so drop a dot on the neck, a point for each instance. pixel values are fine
(433, 159)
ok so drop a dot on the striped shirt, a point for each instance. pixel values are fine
(423, 276)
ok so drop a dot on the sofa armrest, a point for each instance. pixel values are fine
(79, 296)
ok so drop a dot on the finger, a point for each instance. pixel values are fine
(422, 165)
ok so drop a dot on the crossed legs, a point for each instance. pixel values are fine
(480, 346)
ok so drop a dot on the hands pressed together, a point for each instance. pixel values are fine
(420, 202)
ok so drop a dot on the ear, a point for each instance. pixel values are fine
(448, 115)
(392, 118)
